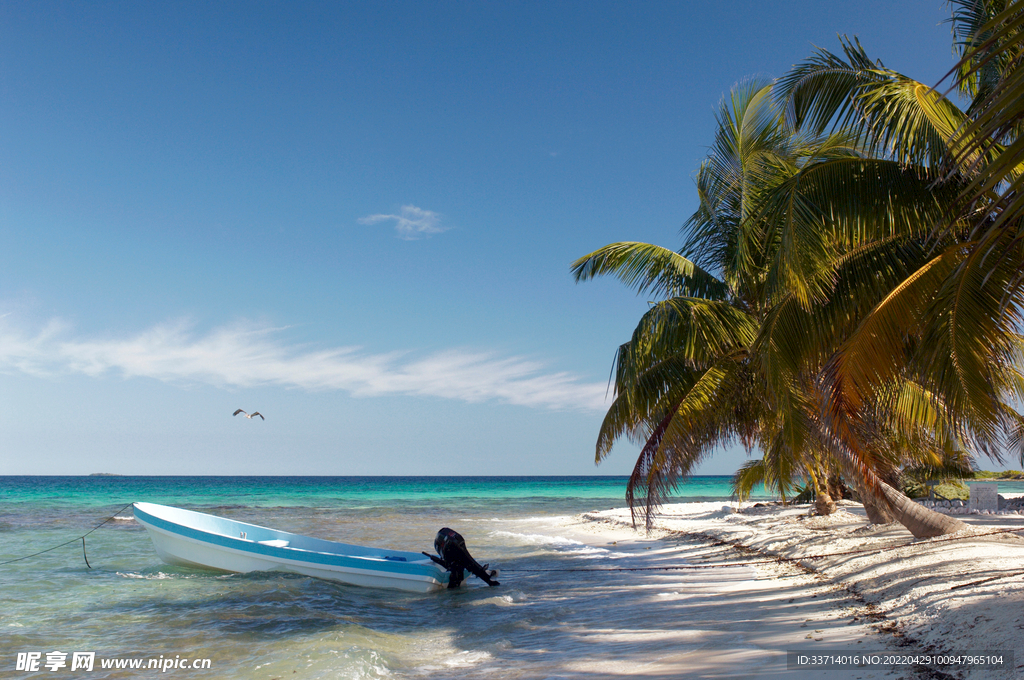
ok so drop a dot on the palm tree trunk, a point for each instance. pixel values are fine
(878, 512)
(836, 488)
(918, 520)
(823, 503)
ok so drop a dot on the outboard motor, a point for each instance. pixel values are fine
(453, 556)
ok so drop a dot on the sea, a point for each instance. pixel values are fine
(126, 606)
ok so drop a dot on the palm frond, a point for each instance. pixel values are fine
(975, 41)
(906, 120)
(649, 268)
(694, 330)
(1015, 434)
(686, 436)
(635, 412)
(990, 69)
(912, 408)
(970, 341)
(820, 92)
(834, 206)
(749, 475)
(874, 354)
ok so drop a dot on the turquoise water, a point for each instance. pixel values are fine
(270, 625)
(333, 491)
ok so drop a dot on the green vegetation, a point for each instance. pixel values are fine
(849, 294)
(1005, 475)
(953, 490)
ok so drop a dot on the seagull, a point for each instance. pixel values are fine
(250, 416)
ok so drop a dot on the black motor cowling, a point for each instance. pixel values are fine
(453, 556)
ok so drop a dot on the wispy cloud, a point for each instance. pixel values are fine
(246, 355)
(413, 223)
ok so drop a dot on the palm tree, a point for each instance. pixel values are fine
(734, 356)
(683, 381)
(952, 323)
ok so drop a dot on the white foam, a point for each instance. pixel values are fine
(467, 659)
(463, 659)
(156, 576)
(589, 552)
(534, 539)
(159, 576)
(552, 519)
(500, 600)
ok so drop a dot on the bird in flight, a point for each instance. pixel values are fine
(250, 416)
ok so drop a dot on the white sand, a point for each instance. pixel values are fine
(913, 597)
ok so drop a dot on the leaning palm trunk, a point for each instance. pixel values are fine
(836, 487)
(918, 520)
(878, 512)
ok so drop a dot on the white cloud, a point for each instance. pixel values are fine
(413, 223)
(245, 355)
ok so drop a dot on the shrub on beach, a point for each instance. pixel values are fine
(954, 490)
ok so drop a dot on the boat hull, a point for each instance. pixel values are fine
(193, 539)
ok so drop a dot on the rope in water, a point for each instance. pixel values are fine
(73, 540)
(770, 561)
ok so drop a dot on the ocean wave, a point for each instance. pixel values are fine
(588, 552)
(534, 539)
(463, 659)
(539, 518)
(159, 576)
(500, 600)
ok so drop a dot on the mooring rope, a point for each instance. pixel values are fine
(73, 540)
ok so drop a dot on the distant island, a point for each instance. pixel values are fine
(105, 474)
(1003, 476)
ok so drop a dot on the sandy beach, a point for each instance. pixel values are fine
(880, 590)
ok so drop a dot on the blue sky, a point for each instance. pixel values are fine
(356, 218)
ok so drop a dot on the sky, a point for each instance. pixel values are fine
(356, 218)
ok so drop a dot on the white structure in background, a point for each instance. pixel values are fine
(984, 496)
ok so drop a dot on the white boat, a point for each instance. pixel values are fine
(195, 539)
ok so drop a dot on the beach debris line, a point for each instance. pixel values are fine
(777, 559)
(250, 416)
